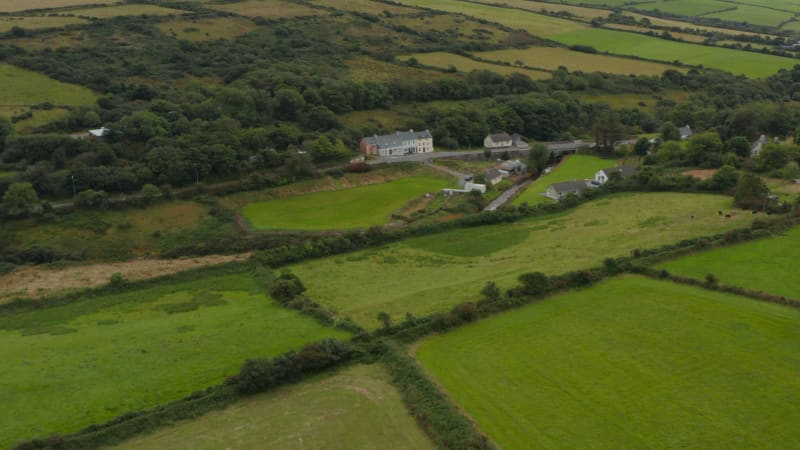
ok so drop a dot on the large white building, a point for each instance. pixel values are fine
(398, 144)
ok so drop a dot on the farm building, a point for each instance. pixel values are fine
(758, 145)
(468, 187)
(558, 191)
(493, 176)
(686, 132)
(625, 170)
(499, 140)
(515, 167)
(398, 144)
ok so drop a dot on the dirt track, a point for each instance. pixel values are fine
(37, 281)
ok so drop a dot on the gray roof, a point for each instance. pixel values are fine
(685, 131)
(500, 137)
(569, 186)
(397, 139)
(491, 174)
(625, 170)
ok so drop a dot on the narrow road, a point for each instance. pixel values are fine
(503, 198)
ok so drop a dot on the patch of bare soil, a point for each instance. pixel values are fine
(38, 281)
(703, 174)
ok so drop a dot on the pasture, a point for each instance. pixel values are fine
(364, 68)
(69, 366)
(25, 5)
(579, 12)
(444, 60)
(364, 6)
(357, 406)
(753, 15)
(687, 8)
(23, 87)
(126, 10)
(767, 265)
(533, 23)
(628, 363)
(465, 28)
(551, 58)
(348, 208)
(572, 167)
(37, 22)
(207, 29)
(432, 273)
(268, 9)
(622, 43)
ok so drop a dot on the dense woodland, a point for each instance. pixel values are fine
(268, 102)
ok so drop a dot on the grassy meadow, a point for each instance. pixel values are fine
(572, 167)
(444, 60)
(466, 28)
(365, 6)
(368, 69)
(357, 406)
(268, 9)
(24, 87)
(349, 208)
(629, 363)
(551, 58)
(24, 5)
(622, 43)
(126, 10)
(753, 15)
(66, 367)
(432, 273)
(37, 22)
(207, 29)
(767, 265)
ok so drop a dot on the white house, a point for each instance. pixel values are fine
(603, 175)
(686, 132)
(100, 132)
(398, 144)
(758, 145)
(557, 191)
(499, 140)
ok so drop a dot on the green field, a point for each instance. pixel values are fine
(432, 273)
(355, 408)
(573, 167)
(622, 43)
(444, 60)
(37, 22)
(126, 10)
(754, 15)
(767, 265)
(22, 5)
(24, 87)
(629, 363)
(551, 58)
(533, 23)
(687, 8)
(268, 9)
(70, 366)
(369, 69)
(348, 208)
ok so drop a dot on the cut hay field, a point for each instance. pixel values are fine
(24, 5)
(37, 22)
(24, 87)
(444, 60)
(69, 366)
(432, 273)
(533, 23)
(768, 265)
(126, 10)
(349, 208)
(551, 58)
(268, 9)
(572, 167)
(629, 363)
(356, 408)
(622, 43)
(207, 29)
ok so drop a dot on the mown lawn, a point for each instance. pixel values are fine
(573, 167)
(629, 363)
(348, 208)
(768, 265)
(70, 366)
(432, 273)
(356, 408)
